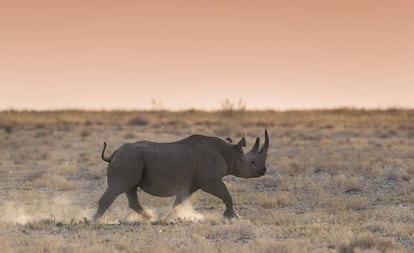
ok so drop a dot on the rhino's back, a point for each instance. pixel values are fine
(192, 144)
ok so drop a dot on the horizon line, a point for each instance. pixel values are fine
(114, 109)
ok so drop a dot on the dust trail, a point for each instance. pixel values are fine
(66, 207)
(12, 212)
(185, 212)
(60, 207)
(150, 215)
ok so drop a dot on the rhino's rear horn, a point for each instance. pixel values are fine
(256, 146)
(265, 146)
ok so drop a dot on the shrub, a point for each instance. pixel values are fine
(138, 121)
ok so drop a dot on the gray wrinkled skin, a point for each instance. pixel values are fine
(179, 169)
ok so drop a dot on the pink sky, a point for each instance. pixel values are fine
(195, 54)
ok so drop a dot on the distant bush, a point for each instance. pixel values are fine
(138, 121)
(130, 136)
(41, 134)
(228, 106)
(85, 133)
(7, 128)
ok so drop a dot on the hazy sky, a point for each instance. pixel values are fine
(194, 54)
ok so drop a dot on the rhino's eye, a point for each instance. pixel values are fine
(253, 162)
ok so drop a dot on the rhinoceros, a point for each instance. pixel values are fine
(179, 169)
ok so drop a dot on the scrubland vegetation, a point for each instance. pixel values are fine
(338, 181)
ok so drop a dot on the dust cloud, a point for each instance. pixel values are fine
(60, 208)
(184, 212)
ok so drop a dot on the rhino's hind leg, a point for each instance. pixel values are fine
(180, 199)
(105, 201)
(183, 210)
(134, 204)
(184, 197)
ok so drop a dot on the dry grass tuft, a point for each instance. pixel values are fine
(41, 134)
(351, 184)
(61, 183)
(368, 242)
(130, 136)
(356, 203)
(235, 231)
(285, 199)
(267, 246)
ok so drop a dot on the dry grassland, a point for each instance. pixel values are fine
(338, 181)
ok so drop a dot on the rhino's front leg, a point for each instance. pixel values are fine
(219, 189)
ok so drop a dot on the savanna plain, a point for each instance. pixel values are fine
(337, 181)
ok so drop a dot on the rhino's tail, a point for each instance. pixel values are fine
(106, 159)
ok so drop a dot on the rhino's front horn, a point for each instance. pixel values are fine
(255, 148)
(265, 146)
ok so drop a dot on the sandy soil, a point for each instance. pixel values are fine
(338, 181)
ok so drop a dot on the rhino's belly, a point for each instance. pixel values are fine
(162, 186)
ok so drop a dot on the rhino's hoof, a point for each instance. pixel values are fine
(230, 214)
(146, 216)
(96, 217)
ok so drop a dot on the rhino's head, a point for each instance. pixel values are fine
(253, 163)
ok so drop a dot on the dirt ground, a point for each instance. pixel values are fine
(338, 181)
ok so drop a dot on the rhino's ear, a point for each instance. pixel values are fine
(241, 143)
